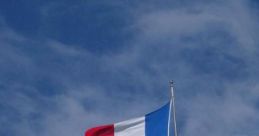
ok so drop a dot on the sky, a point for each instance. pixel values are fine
(66, 66)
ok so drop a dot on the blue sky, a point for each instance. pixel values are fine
(66, 66)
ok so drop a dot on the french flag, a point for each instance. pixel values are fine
(156, 123)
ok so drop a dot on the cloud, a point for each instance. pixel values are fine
(209, 49)
(48, 94)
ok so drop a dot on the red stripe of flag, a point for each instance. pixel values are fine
(107, 130)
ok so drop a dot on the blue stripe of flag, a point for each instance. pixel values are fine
(157, 122)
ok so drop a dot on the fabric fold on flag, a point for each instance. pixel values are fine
(152, 124)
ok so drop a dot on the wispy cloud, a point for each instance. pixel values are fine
(51, 88)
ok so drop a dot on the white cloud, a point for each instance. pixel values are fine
(151, 59)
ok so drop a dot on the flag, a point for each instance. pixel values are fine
(153, 124)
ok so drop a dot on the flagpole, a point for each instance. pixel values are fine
(172, 103)
(169, 117)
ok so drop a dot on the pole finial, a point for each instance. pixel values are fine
(171, 82)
